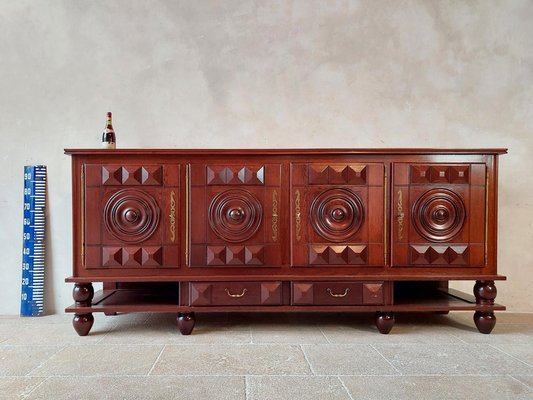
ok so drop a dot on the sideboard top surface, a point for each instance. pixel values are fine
(283, 151)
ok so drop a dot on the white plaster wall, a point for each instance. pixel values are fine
(423, 73)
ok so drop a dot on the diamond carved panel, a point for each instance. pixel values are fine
(132, 256)
(338, 255)
(235, 175)
(439, 255)
(337, 174)
(132, 175)
(235, 255)
(454, 174)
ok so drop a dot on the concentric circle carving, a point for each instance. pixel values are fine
(235, 215)
(131, 215)
(337, 214)
(439, 215)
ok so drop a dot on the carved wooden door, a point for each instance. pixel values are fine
(234, 215)
(337, 214)
(130, 216)
(439, 215)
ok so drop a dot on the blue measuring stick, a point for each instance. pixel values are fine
(33, 241)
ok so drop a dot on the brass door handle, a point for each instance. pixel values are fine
(235, 295)
(338, 295)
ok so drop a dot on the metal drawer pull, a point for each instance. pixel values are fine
(338, 295)
(235, 295)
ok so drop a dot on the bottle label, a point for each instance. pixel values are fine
(109, 145)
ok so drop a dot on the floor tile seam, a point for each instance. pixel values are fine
(33, 345)
(430, 375)
(236, 344)
(107, 345)
(510, 355)
(462, 341)
(530, 388)
(45, 361)
(43, 380)
(307, 360)
(247, 389)
(250, 376)
(345, 387)
(156, 360)
(252, 336)
(325, 336)
(54, 376)
(386, 359)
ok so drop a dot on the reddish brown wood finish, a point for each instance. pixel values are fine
(384, 322)
(186, 323)
(285, 230)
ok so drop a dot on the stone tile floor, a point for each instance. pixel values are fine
(267, 356)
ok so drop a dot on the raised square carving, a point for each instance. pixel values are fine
(373, 293)
(460, 174)
(302, 293)
(318, 174)
(440, 174)
(271, 293)
(254, 255)
(111, 256)
(235, 255)
(357, 254)
(318, 254)
(338, 255)
(420, 174)
(200, 294)
(216, 255)
(111, 175)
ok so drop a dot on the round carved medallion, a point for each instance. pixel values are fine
(235, 215)
(439, 215)
(131, 215)
(337, 214)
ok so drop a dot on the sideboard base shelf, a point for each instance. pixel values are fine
(440, 300)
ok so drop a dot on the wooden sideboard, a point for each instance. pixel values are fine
(191, 231)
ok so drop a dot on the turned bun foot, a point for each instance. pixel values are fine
(186, 323)
(384, 322)
(83, 323)
(485, 321)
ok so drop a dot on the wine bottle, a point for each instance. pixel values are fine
(109, 140)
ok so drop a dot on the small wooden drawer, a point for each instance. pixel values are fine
(337, 293)
(327, 293)
(234, 293)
